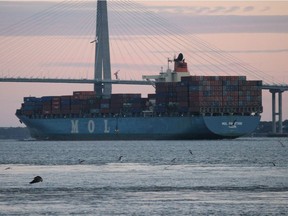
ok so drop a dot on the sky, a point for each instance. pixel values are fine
(36, 41)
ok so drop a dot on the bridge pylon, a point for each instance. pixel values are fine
(279, 113)
(102, 67)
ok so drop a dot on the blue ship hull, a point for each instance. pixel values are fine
(141, 128)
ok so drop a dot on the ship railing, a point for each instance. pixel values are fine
(154, 114)
(213, 111)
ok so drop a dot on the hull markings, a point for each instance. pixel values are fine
(74, 126)
(91, 126)
(106, 128)
(232, 124)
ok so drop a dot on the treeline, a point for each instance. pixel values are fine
(14, 133)
(264, 128)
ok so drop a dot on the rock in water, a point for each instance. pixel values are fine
(36, 180)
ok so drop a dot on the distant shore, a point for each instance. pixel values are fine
(14, 133)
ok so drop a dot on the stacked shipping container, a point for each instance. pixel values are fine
(194, 94)
(223, 94)
(86, 102)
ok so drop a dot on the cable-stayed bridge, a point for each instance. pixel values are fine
(57, 45)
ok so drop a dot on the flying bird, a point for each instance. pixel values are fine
(173, 160)
(172, 163)
(282, 144)
(190, 151)
(36, 180)
(81, 161)
(116, 75)
(95, 41)
(7, 168)
(273, 163)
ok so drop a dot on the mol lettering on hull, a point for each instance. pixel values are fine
(141, 128)
(90, 126)
(74, 126)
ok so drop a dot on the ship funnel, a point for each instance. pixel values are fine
(180, 65)
(179, 58)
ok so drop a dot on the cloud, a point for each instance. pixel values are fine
(241, 51)
(232, 9)
(78, 18)
(233, 24)
(70, 64)
(265, 9)
(207, 10)
(218, 9)
(259, 51)
(248, 9)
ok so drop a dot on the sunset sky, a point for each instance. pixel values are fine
(255, 32)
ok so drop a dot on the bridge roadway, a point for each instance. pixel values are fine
(87, 81)
(273, 89)
(125, 82)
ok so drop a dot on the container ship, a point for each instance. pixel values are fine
(183, 107)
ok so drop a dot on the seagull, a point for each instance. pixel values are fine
(36, 180)
(95, 41)
(81, 161)
(282, 144)
(190, 151)
(172, 163)
(173, 160)
(7, 168)
(116, 74)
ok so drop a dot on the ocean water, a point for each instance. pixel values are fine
(245, 176)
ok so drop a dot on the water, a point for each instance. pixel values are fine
(228, 177)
